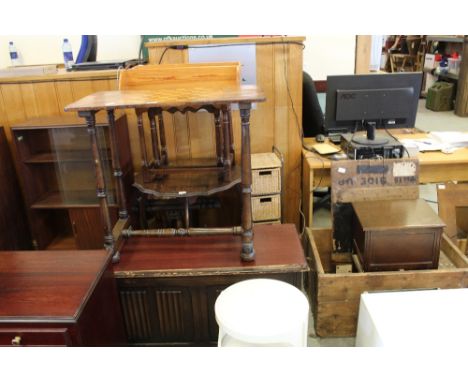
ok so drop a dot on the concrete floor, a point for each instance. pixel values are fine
(426, 120)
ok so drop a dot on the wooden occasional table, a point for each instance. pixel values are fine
(161, 181)
(434, 166)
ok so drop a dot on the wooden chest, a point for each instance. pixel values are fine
(396, 234)
(168, 286)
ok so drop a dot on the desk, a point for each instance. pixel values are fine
(181, 96)
(435, 166)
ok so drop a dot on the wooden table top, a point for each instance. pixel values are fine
(277, 249)
(35, 285)
(167, 97)
(317, 161)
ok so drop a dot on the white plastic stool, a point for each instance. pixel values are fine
(262, 312)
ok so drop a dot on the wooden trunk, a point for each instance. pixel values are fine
(335, 297)
(406, 236)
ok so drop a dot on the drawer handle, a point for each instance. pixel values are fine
(265, 200)
(262, 173)
(16, 341)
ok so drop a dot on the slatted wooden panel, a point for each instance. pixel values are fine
(30, 97)
(135, 309)
(363, 54)
(276, 122)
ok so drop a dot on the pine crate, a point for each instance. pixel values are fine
(335, 297)
(266, 174)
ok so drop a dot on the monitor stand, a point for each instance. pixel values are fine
(370, 139)
(370, 146)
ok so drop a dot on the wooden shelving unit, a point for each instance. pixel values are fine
(56, 170)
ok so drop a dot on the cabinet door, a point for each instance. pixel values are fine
(160, 315)
(88, 228)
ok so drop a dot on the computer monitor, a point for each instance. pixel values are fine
(371, 101)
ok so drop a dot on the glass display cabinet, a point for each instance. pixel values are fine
(56, 169)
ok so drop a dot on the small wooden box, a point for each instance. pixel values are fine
(267, 207)
(266, 174)
(396, 234)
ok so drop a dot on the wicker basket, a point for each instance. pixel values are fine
(267, 207)
(266, 174)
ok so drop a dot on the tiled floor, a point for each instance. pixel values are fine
(426, 120)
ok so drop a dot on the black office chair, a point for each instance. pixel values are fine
(313, 120)
(313, 123)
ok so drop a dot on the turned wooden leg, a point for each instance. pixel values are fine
(142, 211)
(231, 138)
(154, 137)
(141, 133)
(116, 167)
(219, 137)
(226, 139)
(100, 182)
(162, 136)
(248, 253)
(186, 213)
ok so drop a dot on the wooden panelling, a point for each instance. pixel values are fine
(363, 54)
(46, 99)
(135, 311)
(174, 314)
(13, 107)
(28, 97)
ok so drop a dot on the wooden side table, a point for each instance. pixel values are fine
(165, 182)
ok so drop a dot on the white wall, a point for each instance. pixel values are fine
(329, 54)
(323, 54)
(36, 50)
